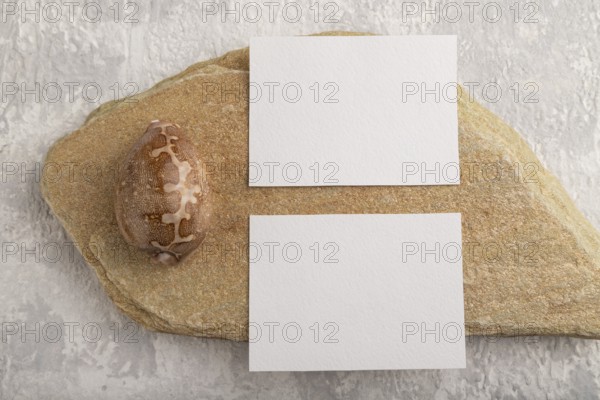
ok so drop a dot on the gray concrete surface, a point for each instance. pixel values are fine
(63, 338)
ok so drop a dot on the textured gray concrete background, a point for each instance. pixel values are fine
(58, 296)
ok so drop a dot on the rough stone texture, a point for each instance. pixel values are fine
(531, 261)
(560, 53)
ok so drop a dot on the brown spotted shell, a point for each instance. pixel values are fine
(161, 200)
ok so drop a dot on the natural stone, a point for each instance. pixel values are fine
(531, 261)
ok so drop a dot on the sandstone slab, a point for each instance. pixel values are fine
(531, 260)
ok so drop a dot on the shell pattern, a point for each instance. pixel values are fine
(161, 199)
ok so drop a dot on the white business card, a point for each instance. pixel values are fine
(356, 292)
(362, 110)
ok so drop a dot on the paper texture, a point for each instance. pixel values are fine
(370, 110)
(356, 292)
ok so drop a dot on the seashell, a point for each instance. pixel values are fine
(161, 196)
